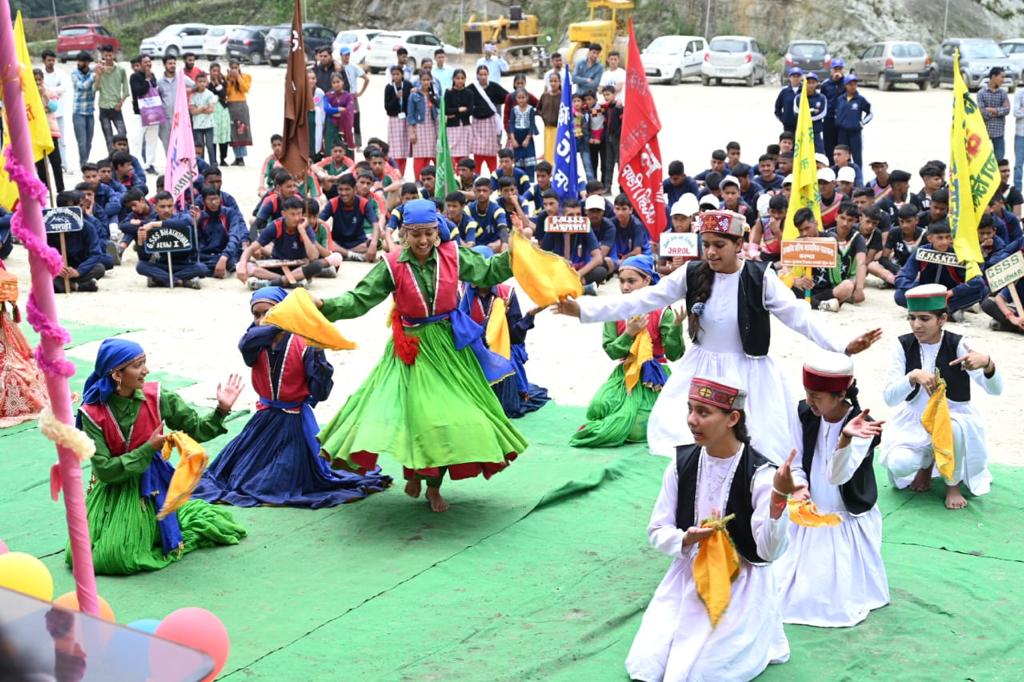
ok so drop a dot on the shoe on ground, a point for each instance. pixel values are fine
(976, 309)
(831, 305)
(238, 162)
(191, 283)
(86, 286)
(995, 325)
(355, 256)
(590, 289)
(152, 171)
(256, 283)
(152, 283)
(957, 316)
(301, 284)
(223, 162)
(114, 251)
(329, 272)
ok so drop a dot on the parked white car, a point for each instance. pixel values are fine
(672, 58)
(215, 42)
(419, 44)
(1014, 49)
(175, 40)
(734, 58)
(357, 40)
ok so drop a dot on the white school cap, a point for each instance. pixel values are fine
(846, 174)
(821, 158)
(594, 201)
(686, 205)
(826, 175)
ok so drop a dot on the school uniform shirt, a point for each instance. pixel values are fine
(833, 88)
(899, 250)
(453, 101)
(396, 99)
(519, 176)
(853, 113)
(181, 221)
(613, 124)
(764, 185)
(495, 93)
(858, 174)
(84, 248)
(605, 234)
(491, 222)
(465, 230)
(581, 246)
(1011, 195)
(996, 253)
(101, 228)
(526, 205)
(286, 246)
(673, 192)
(627, 238)
(269, 209)
(848, 254)
(220, 233)
(750, 196)
(226, 201)
(786, 104)
(348, 223)
(1011, 226)
(874, 241)
(818, 105)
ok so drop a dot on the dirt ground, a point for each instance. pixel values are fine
(195, 333)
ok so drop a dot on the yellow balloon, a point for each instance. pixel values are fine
(26, 574)
(69, 600)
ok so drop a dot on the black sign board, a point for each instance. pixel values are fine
(167, 239)
(63, 219)
(947, 258)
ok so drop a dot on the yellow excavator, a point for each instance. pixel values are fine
(607, 25)
(515, 36)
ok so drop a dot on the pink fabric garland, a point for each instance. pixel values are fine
(44, 326)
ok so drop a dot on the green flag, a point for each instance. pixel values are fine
(445, 180)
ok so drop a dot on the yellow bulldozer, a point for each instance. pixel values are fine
(515, 36)
(607, 25)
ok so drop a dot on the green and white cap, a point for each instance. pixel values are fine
(926, 297)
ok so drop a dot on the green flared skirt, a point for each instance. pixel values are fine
(125, 537)
(614, 416)
(436, 413)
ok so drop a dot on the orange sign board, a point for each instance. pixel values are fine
(811, 253)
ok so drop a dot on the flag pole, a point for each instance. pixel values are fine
(50, 354)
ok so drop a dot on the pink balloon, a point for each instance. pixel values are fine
(198, 629)
(3, 547)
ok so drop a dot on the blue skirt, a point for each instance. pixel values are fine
(517, 395)
(270, 463)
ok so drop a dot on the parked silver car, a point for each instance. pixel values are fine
(977, 57)
(894, 61)
(734, 58)
(1014, 51)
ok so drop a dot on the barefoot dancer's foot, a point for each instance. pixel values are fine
(954, 499)
(412, 487)
(922, 482)
(437, 503)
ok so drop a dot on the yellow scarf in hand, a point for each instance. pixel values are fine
(299, 315)
(715, 568)
(805, 513)
(640, 352)
(545, 277)
(191, 464)
(498, 337)
(936, 421)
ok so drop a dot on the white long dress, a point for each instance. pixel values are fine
(833, 576)
(771, 416)
(907, 447)
(675, 641)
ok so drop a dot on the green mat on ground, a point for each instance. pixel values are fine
(543, 573)
(80, 333)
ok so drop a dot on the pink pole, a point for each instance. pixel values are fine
(42, 311)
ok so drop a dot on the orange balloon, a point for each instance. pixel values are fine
(69, 600)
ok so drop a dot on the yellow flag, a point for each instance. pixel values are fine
(39, 129)
(973, 173)
(804, 193)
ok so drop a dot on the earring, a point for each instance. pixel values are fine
(437, 241)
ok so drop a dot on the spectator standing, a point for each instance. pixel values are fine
(396, 103)
(833, 88)
(818, 105)
(168, 88)
(191, 70)
(112, 83)
(421, 115)
(586, 77)
(488, 98)
(238, 108)
(1018, 138)
(339, 106)
(142, 82)
(557, 69)
(353, 74)
(995, 105)
(202, 105)
(786, 102)
(325, 68)
(496, 65)
(49, 101)
(614, 76)
(458, 107)
(550, 101)
(83, 80)
(853, 112)
(56, 81)
(218, 85)
(442, 72)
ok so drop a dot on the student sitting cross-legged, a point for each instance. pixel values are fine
(293, 241)
(84, 253)
(187, 270)
(219, 233)
(963, 292)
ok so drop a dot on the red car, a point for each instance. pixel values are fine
(89, 37)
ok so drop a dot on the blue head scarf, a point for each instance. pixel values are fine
(268, 295)
(644, 264)
(113, 353)
(425, 212)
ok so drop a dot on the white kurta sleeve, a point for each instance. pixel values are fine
(770, 535)
(897, 385)
(612, 308)
(845, 461)
(992, 385)
(662, 531)
(796, 314)
(797, 467)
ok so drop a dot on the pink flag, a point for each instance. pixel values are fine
(181, 148)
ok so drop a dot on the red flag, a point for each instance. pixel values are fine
(297, 101)
(639, 153)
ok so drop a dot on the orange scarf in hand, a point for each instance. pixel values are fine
(191, 465)
(716, 567)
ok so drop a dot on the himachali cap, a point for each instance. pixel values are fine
(686, 205)
(828, 372)
(721, 222)
(717, 393)
(926, 297)
(846, 174)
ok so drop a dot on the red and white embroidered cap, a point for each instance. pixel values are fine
(718, 393)
(722, 222)
(828, 372)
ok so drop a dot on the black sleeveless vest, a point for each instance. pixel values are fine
(859, 493)
(958, 382)
(739, 502)
(753, 318)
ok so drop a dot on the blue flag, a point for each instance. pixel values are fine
(564, 178)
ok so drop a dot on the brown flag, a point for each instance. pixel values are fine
(297, 101)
